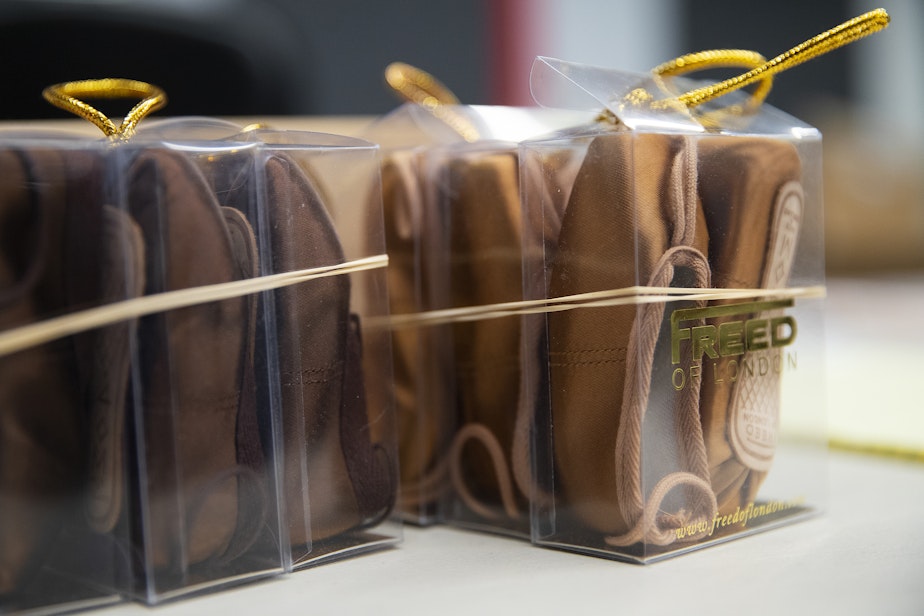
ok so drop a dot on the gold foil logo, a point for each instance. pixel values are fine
(731, 338)
(743, 349)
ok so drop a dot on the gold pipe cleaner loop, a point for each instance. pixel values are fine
(65, 96)
(697, 61)
(844, 34)
(417, 86)
(721, 58)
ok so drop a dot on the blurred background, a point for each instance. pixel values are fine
(326, 57)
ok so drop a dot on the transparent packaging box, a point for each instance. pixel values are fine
(478, 205)
(419, 354)
(186, 311)
(452, 208)
(338, 454)
(63, 541)
(677, 380)
(202, 482)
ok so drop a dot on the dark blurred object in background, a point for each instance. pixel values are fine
(326, 57)
(771, 28)
(865, 99)
(238, 57)
(215, 57)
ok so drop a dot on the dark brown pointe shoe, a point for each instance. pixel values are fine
(190, 364)
(103, 364)
(254, 486)
(51, 236)
(334, 478)
(485, 267)
(623, 216)
(753, 203)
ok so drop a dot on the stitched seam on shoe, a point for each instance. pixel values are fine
(584, 351)
(496, 362)
(295, 382)
(223, 401)
(208, 405)
(587, 363)
(736, 282)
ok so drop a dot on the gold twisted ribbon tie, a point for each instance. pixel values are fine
(67, 96)
(759, 69)
(417, 86)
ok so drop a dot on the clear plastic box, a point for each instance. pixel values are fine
(63, 461)
(677, 382)
(453, 214)
(339, 456)
(188, 399)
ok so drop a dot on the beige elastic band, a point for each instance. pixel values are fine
(35, 334)
(596, 299)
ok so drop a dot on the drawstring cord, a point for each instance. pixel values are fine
(638, 513)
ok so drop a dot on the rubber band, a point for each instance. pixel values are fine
(596, 299)
(48, 330)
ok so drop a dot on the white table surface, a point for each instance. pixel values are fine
(875, 360)
(864, 556)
